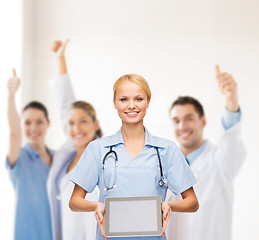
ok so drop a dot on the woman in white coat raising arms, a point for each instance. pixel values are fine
(81, 127)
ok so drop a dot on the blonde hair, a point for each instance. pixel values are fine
(135, 78)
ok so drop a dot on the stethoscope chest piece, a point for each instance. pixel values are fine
(163, 182)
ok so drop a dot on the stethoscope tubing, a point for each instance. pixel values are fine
(162, 182)
(115, 171)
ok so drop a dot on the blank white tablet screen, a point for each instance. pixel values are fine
(133, 216)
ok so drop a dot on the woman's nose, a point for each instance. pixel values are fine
(33, 127)
(131, 104)
(76, 127)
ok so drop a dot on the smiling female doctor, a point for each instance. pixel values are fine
(138, 170)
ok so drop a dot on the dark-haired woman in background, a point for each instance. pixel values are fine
(81, 126)
(29, 166)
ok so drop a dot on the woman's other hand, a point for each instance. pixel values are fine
(99, 215)
(166, 210)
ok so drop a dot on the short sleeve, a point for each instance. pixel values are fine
(15, 170)
(180, 176)
(85, 174)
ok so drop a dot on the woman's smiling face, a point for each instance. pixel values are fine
(131, 102)
(81, 127)
(35, 125)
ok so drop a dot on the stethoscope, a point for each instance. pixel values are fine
(163, 182)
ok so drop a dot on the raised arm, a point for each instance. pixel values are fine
(14, 121)
(231, 151)
(61, 85)
(228, 87)
(59, 47)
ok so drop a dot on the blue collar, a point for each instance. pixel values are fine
(196, 153)
(34, 153)
(31, 151)
(150, 140)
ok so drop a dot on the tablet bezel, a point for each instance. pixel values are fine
(107, 233)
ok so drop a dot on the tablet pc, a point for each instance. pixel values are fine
(133, 216)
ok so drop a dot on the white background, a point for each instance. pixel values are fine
(173, 44)
(10, 56)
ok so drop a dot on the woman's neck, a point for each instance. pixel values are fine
(134, 138)
(132, 132)
(45, 155)
(80, 149)
(39, 148)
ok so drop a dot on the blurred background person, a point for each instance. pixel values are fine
(81, 127)
(215, 166)
(29, 166)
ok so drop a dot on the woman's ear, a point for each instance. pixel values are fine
(115, 104)
(97, 125)
(148, 101)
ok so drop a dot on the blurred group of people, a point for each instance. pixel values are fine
(48, 184)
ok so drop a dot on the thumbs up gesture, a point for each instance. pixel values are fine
(228, 87)
(59, 47)
(13, 84)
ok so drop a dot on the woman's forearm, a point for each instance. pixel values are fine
(14, 121)
(79, 204)
(62, 65)
(15, 138)
(185, 205)
(189, 203)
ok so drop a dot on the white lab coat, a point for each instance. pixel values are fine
(215, 170)
(67, 225)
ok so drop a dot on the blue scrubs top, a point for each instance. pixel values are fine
(29, 178)
(137, 176)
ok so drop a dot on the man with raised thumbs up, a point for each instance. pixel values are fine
(215, 166)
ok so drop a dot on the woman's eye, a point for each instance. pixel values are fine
(123, 99)
(139, 99)
(71, 123)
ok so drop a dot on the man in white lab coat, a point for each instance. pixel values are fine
(215, 166)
